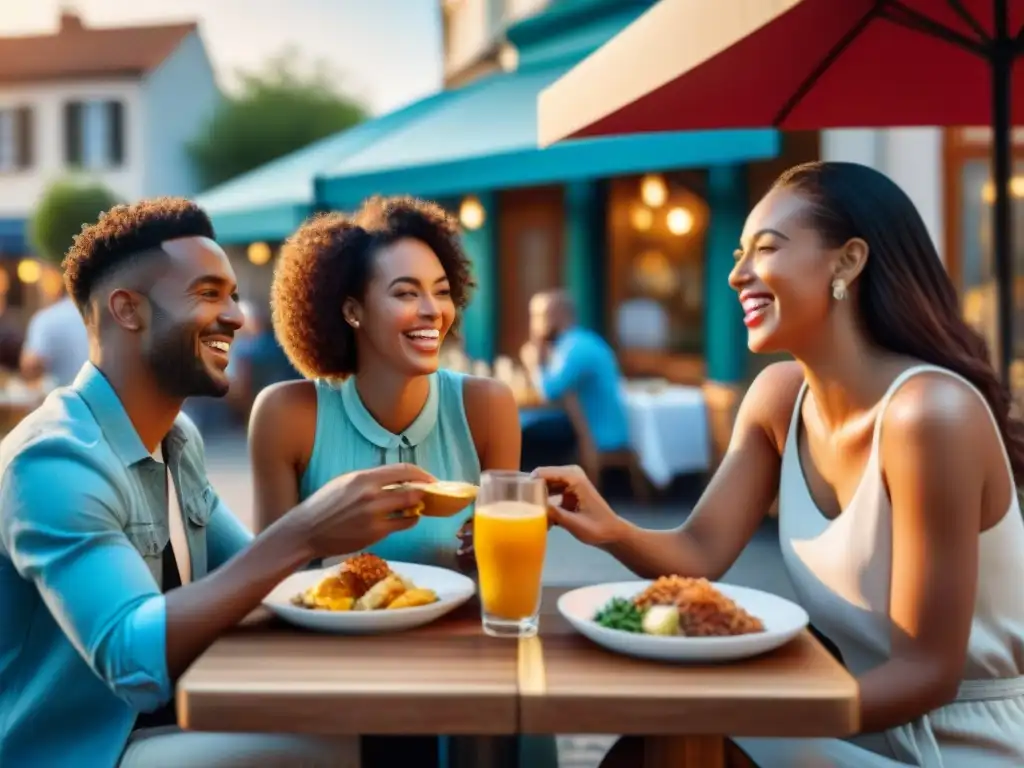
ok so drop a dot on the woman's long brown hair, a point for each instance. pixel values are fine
(906, 300)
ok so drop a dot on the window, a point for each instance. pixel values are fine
(520, 9)
(969, 246)
(94, 134)
(15, 139)
(495, 17)
(656, 249)
(977, 257)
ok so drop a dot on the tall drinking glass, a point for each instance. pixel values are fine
(510, 534)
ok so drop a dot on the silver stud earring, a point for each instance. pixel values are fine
(839, 289)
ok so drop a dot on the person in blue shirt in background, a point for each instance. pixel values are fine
(257, 360)
(119, 564)
(564, 358)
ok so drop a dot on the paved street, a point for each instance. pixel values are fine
(568, 563)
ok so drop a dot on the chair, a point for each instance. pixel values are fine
(594, 461)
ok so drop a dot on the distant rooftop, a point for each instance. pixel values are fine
(78, 52)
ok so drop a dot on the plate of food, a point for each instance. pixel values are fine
(681, 619)
(441, 498)
(367, 595)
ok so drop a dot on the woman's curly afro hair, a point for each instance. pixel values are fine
(330, 259)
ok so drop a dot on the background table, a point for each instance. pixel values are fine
(15, 404)
(668, 428)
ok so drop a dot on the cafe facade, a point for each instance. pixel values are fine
(640, 230)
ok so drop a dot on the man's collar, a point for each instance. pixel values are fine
(107, 409)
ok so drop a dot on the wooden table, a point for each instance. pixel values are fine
(445, 678)
(449, 678)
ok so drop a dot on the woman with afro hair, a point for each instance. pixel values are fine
(361, 305)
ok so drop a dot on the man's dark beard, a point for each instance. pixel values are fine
(176, 361)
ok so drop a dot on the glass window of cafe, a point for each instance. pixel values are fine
(657, 226)
(970, 252)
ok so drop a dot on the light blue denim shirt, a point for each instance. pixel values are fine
(83, 524)
(583, 363)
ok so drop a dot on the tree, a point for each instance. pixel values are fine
(277, 111)
(66, 206)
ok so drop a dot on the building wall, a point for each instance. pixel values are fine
(20, 191)
(179, 97)
(474, 34)
(470, 32)
(912, 157)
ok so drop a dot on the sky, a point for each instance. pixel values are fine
(387, 52)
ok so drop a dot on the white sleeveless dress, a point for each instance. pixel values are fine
(840, 571)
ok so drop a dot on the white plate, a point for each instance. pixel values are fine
(783, 620)
(452, 589)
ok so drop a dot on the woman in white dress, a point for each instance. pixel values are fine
(889, 444)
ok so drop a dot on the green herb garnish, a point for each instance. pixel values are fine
(620, 614)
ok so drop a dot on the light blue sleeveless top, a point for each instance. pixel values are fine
(348, 438)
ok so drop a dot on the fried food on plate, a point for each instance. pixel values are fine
(675, 605)
(364, 582)
(368, 567)
(381, 594)
(333, 593)
(703, 610)
(412, 598)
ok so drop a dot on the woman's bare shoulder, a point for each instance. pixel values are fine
(287, 398)
(934, 407)
(480, 393)
(284, 416)
(769, 401)
(491, 410)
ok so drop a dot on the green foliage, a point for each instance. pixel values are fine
(277, 111)
(67, 205)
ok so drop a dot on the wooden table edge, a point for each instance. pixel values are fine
(530, 682)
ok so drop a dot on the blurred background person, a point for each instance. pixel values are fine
(257, 360)
(563, 358)
(56, 344)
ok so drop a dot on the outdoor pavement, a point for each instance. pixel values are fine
(568, 563)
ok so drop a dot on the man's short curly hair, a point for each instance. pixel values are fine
(330, 259)
(124, 232)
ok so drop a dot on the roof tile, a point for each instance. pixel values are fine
(78, 52)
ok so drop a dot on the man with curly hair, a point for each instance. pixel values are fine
(119, 564)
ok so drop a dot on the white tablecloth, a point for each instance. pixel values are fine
(669, 431)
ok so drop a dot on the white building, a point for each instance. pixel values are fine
(117, 104)
(912, 157)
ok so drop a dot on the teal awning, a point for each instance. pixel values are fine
(485, 137)
(268, 203)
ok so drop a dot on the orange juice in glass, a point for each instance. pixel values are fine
(510, 534)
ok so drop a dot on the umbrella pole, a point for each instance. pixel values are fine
(1002, 166)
